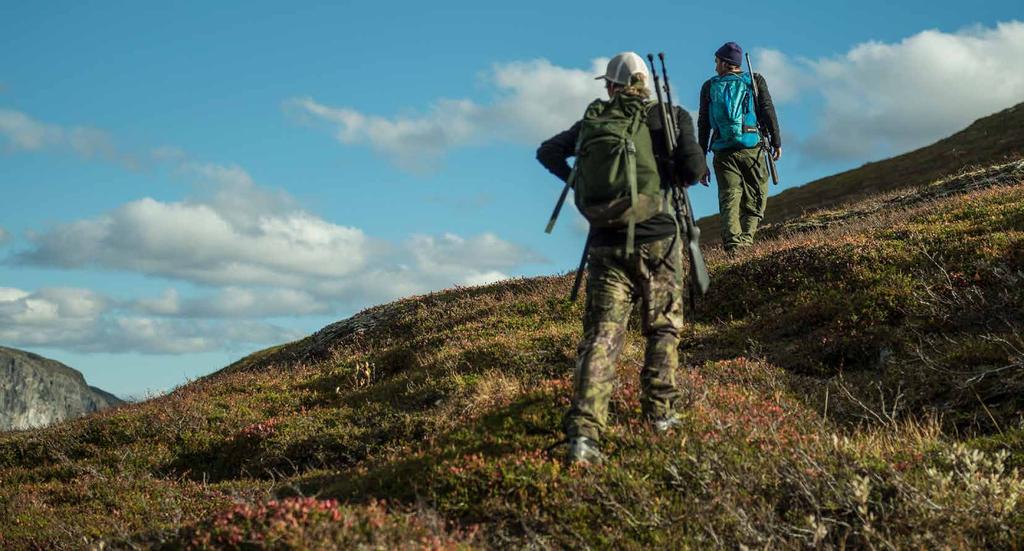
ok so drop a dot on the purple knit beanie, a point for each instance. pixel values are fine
(731, 52)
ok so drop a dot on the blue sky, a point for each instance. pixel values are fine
(184, 184)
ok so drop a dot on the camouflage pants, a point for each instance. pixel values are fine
(654, 275)
(742, 178)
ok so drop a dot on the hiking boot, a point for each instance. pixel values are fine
(583, 451)
(665, 424)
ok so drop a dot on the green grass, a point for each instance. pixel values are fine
(859, 385)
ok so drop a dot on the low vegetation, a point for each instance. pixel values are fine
(856, 382)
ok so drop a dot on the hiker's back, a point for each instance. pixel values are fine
(733, 116)
(615, 176)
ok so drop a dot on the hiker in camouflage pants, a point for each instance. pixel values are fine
(653, 274)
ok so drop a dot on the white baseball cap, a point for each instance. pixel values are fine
(623, 66)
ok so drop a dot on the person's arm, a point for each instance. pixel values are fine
(766, 111)
(688, 158)
(554, 152)
(704, 118)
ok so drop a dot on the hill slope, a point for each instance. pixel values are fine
(867, 392)
(996, 138)
(36, 391)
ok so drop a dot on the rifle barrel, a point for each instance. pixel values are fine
(699, 279)
(762, 128)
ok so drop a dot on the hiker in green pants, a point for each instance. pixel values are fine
(727, 125)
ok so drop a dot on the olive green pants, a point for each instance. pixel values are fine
(653, 274)
(742, 178)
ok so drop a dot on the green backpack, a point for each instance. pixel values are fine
(615, 176)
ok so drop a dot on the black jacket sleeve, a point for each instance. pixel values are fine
(766, 111)
(704, 118)
(554, 152)
(688, 156)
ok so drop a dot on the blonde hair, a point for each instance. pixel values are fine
(637, 86)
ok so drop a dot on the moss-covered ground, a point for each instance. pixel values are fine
(857, 386)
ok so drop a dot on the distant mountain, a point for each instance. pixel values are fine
(36, 391)
(989, 140)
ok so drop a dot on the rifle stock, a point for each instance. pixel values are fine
(558, 208)
(700, 278)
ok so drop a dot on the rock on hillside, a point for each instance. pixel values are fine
(36, 391)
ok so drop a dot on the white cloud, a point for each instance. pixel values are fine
(539, 98)
(426, 263)
(48, 305)
(786, 79)
(414, 143)
(451, 254)
(9, 294)
(167, 304)
(890, 97)
(231, 191)
(235, 302)
(534, 100)
(484, 278)
(82, 320)
(268, 257)
(197, 242)
(24, 133)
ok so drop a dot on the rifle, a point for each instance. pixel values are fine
(766, 135)
(699, 278)
(579, 271)
(586, 246)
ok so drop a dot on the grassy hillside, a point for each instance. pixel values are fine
(990, 140)
(859, 384)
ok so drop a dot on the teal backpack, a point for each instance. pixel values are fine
(733, 116)
(615, 176)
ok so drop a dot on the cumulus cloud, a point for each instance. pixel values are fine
(25, 133)
(534, 99)
(201, 243)
(413, 143)
(888, 97)
(538, 98)
(82, 320)
(425, 263)
(269, 257)
(231, 191)
(234, 302)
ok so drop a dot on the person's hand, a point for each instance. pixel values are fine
(706, 178)
(778, 153)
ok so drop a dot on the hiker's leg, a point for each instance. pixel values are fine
(755, 192)
(609, 300)
(661, 280)
(730, 181)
